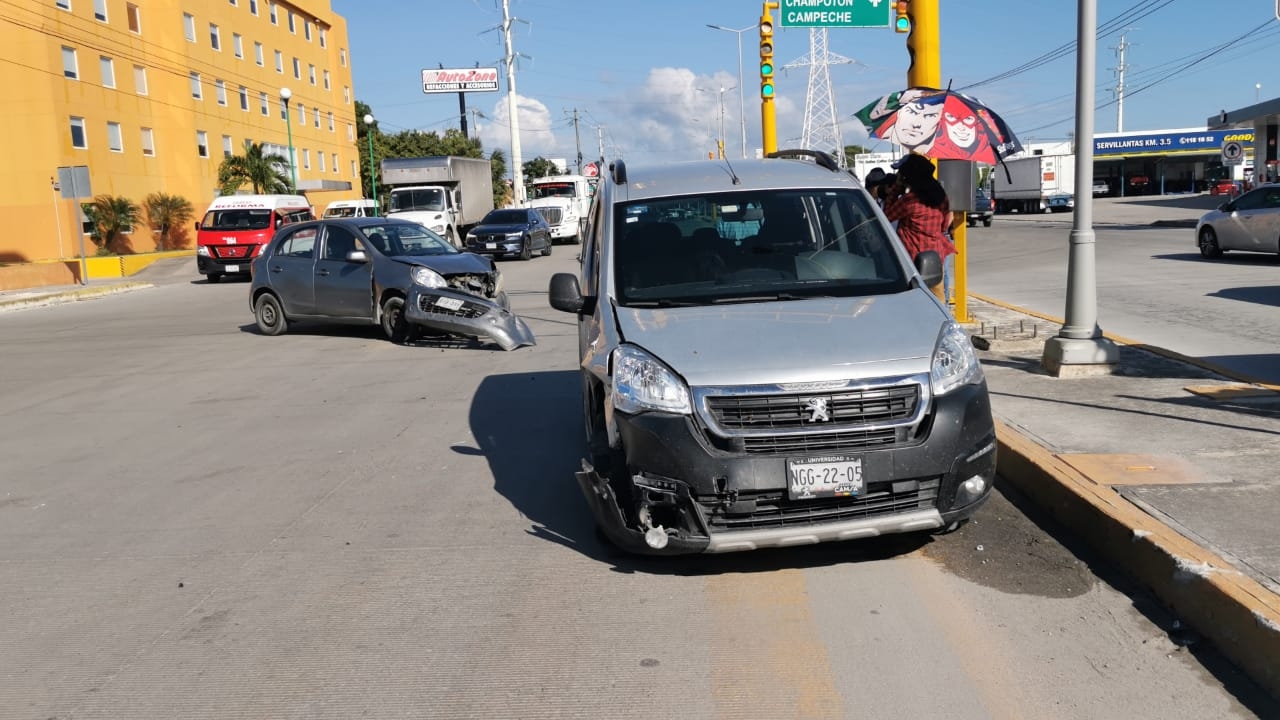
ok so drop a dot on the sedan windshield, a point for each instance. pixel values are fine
(406, 239)
(506, 217)
(753, 247)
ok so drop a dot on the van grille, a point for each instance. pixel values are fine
(859, 407)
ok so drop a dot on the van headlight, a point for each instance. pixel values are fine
(427, 278)
(203, 251)
(641, 382)
(954, 361)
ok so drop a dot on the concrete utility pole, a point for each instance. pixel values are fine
(600, 139)
(513, 109)
(1079, 348)
(577, 140)
(1120, 71)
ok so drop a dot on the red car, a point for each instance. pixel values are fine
(1226, 187)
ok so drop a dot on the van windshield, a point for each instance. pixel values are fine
(417, 199)
(237, 219)
(753, 247)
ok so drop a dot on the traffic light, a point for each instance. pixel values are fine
(902, 16)
(766, 57)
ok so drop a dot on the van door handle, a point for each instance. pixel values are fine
(322, 273)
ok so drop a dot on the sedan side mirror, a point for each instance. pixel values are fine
(929, 263)
(566, 294)
(357, 256)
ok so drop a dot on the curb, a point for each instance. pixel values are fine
(1236, 613)
(67, 296)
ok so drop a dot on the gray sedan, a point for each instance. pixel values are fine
(383, 271)
(1251, 222)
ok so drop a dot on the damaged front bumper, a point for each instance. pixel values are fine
(466, 314)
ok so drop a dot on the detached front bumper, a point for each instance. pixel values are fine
(707, 496)
(466, 314)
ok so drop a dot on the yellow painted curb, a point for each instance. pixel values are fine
(1235, 612)
(1225, 372)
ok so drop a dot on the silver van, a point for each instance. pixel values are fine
(764, 366)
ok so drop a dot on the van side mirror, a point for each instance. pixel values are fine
(929, 263)
(565, 294)
(357, 256)
(197, 225)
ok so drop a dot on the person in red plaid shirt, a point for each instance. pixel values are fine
(922, 214)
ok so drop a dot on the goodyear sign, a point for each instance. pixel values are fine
(463, 80)
(1191, 142)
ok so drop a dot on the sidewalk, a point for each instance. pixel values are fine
(58, 294)
(1166, 467)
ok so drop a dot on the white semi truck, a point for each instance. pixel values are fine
(564, 201)
(1031, 181)
(446, 193)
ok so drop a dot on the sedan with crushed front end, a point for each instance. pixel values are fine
(382, 271)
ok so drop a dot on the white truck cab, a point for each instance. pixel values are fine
(564, 201)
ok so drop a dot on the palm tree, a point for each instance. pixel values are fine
(112, 216)
(164, 212)
(266, 173)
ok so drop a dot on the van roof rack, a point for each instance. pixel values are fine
(819, 157)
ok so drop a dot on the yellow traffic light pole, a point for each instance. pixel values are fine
(924, 48)
(768, 120)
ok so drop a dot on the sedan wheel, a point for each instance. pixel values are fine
(547, 251)
(526, 248)
(270, 316)
(1209, 247)
(393, 322)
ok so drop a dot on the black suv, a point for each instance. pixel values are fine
(982, 210)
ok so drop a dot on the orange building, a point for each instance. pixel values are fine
(150, 95)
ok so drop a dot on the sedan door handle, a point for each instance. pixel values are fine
(276, 269)
(322, 273)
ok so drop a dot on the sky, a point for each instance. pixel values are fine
(649, 80)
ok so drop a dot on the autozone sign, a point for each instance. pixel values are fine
(459, 80)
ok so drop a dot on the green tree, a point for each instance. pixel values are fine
(165, 212)
(498, 165)
(111, 216)
(850, 151)
(539, 167)
(268, 174)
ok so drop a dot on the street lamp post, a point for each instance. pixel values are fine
(373, 179)
(742, 105)
(285, 94)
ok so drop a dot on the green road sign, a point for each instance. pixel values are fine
(837, 13)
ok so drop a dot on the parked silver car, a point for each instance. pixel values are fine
(1251, 222)
(769, 369)
(393, 273)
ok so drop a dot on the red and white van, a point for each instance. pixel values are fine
(237, 227)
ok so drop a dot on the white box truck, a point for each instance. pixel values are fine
(446, 193)
(564, 201)
(1031, 181)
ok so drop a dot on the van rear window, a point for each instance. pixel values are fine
(237, 220)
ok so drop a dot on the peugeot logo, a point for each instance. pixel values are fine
(817, 408)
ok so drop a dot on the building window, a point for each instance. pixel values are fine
(311, 73)
(335, 163)
(317, 123)
(197, 91)
(302, 114)
(148, 143)
(215, 38)
(78, 139)
(108, 68)
(140, 79)
(275, 19)
(221, 88)
(100, 10)
(202, 143)
(265, 100)
(306, 30)
(237, 44)
(257, 53)
(226, 146)
(135, 17)
(64, 4)
(330, 122)
(354, 173)
(253, 7)
(346, 94)
(279, 62)
(351, 132)
(342, 56)
(320, 159)
(306, 159)
(189, 26)
(326, 79)
(70, 68)
(233, 2)
(297, 69)
(293, 29)
(244, 98)
(114, 142)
